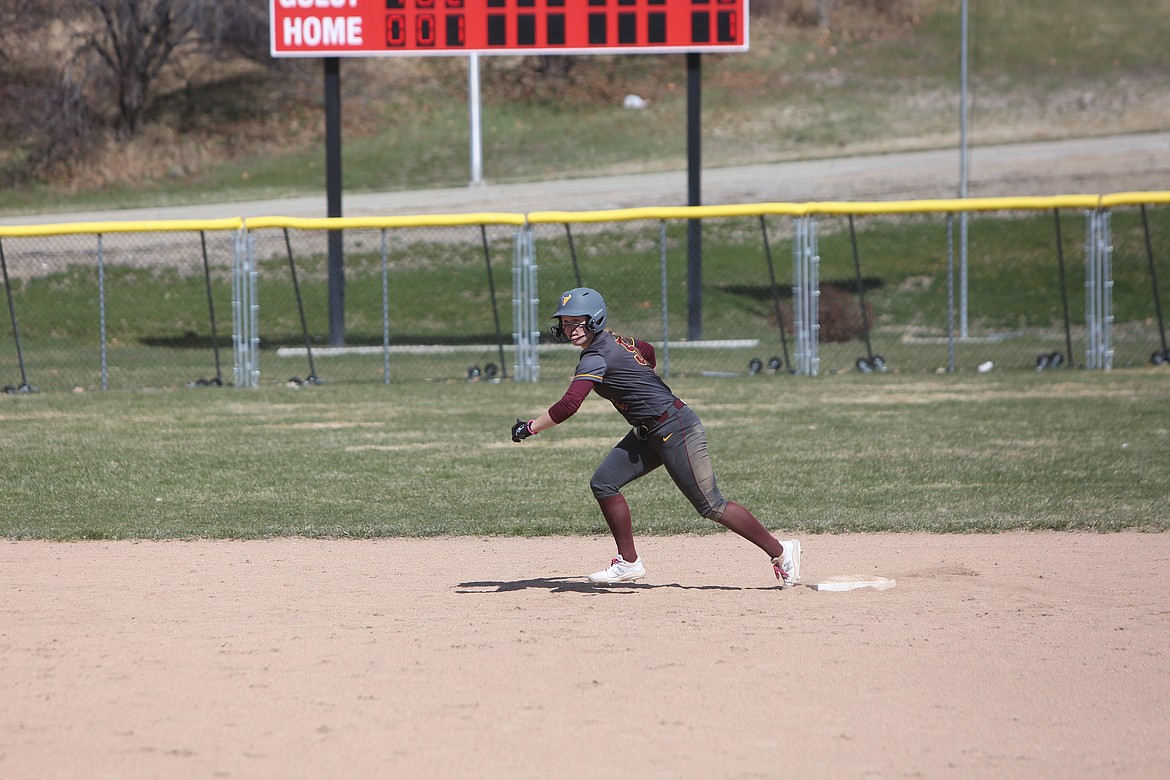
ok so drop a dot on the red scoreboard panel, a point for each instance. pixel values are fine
(371, 28)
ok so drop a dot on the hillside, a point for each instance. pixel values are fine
(882, 77)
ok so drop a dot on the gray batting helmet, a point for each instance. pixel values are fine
(582, 302)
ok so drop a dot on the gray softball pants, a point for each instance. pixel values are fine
(680, 444)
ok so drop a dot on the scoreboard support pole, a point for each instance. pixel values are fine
(473, 120)
(694, 197)
(333, 200)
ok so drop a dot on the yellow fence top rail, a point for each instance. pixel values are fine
(1135, 199)
(663, 213)
(144, 226)
(418, 220)
(838, 207)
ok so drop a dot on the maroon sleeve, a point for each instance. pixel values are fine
(571, 401)
(647, 350)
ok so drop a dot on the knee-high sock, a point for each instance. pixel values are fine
(744, 523)
(617, 516)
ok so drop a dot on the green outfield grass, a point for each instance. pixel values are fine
(1073, 450)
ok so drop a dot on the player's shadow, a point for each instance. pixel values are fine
(573, 585)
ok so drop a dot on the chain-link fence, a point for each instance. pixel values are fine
(768, 290)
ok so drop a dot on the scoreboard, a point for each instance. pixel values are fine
(381, 28)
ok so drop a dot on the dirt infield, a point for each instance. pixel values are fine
(1030, 655)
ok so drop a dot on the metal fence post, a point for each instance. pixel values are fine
(665, 308)
(950, 292)
(385, 308)
(238, 370)
(806, 291)
(1098, 290)
(245, 313)
(253, 277)
(525, 303)
(105, 368)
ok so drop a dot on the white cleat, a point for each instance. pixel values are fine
(787, 564)
(619, 571)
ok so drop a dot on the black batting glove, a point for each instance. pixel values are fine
(522, 430)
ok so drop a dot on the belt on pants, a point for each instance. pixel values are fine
(642, 429)
(678, 404)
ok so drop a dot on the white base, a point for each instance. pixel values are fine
(854, 581)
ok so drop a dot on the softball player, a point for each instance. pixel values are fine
(665, 432)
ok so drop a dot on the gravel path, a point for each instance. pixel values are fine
(1078, 166)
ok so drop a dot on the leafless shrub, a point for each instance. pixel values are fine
(128, 44)
(109, 62)
(17, 19)
(54, 127)
(69, 126)
(238, 26)
(839, 315)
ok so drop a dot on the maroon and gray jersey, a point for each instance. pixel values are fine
(620, 370)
